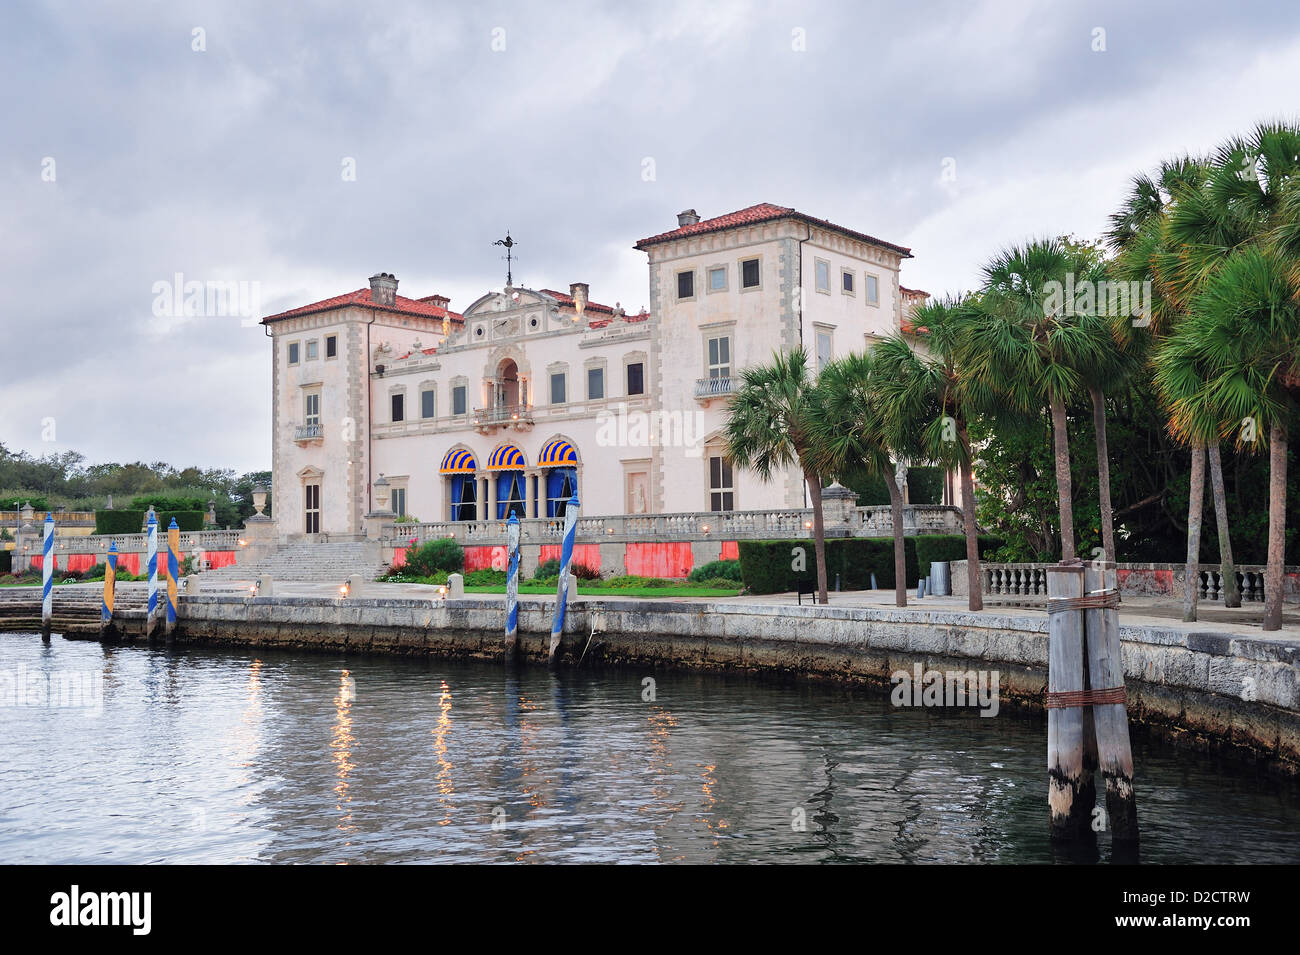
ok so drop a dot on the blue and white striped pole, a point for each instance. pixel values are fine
(512, 585)
(173, 571)
(566, 557)
(152, 618)
(47, 577)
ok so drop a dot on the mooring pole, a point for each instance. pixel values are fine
(47, 578)
(1068, 779)
(110, 590)
(173, 572)
(151, 618)
(512, 586)
(562, 592)
(1110, 712)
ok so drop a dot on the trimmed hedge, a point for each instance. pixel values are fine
(132, 521)
(715, 570)
(766, 566)
(6, 562)
(118, 522)
(934, 547)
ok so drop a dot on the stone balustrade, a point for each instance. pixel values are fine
(688, 526)
(1027, 582)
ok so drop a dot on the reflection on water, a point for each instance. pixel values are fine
(236, 757)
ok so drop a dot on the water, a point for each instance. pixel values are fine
(217, 757)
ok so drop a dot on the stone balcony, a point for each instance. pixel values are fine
(516, 417)
(309, 433)
(707, 389)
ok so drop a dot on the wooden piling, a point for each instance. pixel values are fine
(1068, 779)
(1106, 673)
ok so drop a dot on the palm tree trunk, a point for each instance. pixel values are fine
(974, 582)
(1231, 592)
(1277, 442)
(819, 532)
(900, 553)
(1192, 571)
(1064, 491)
(1103, 473)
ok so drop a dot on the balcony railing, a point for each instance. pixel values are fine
(503, 415)
(308, 432)
(713, 387)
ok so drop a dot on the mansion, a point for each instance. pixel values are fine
(528, 396)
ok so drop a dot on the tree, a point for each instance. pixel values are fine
(1027, 341)
(850, 434)
(929, 395)
(770, 428)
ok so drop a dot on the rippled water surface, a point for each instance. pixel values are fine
(206, 756)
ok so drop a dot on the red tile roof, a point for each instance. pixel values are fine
(361, 298)
(566, 299)
(763, 212)
(913, 291)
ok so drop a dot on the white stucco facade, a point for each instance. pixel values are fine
(527, 393)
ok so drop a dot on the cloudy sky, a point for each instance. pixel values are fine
(129, 156)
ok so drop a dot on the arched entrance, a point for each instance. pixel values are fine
(506, 386)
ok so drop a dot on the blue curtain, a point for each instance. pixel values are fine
(560, 486)
(462, 498)
(510, 494)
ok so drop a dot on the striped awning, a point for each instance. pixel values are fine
(507, 458)
(459, 461)
(557, 453)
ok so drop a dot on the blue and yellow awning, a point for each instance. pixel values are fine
(459, 461)
(557, 453)
(507, 458)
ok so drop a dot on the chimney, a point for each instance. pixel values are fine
(383, 289)
(689, 217)
(578, 291)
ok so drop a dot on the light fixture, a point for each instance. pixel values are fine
(243, 543)
(807, 525)
(705, 528)
(343, 591)
(442, 591)
(609, 530)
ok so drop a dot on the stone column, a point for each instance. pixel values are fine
(839, 506)
(492, 497)
(530, 489)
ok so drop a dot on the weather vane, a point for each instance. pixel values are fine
(509, 243)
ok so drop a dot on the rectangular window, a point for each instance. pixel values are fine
(720, 357)
(823, 349)
(311, 350)
(846, 282)
(823, 276)
(331, 346)
(595, 383)
(399, 501)
(636, 378)
(749, 273)
(873, 290)
(685, 285)
(718, 279)
(311, 414)
(557, 388)
(311, 508)
(722, 494)
(399, 407)
(426, 403)
(293, 353)
(458, 400)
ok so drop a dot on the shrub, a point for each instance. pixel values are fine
(546, 569)
(443, 554)
(407, 519)
(717, 569)
(718, 583)
(632, 580)
(767, 566)
(12, 502)
(583, 572)
(949, 547)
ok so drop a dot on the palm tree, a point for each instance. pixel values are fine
(850, 435)
(1029, 345)
(770, 428)
(1233, 367)
(928, 395)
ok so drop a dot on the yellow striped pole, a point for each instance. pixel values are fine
(110, 588)
(173, 571)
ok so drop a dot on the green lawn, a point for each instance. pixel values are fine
(683, 590)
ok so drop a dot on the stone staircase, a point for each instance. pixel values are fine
(331, 562)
